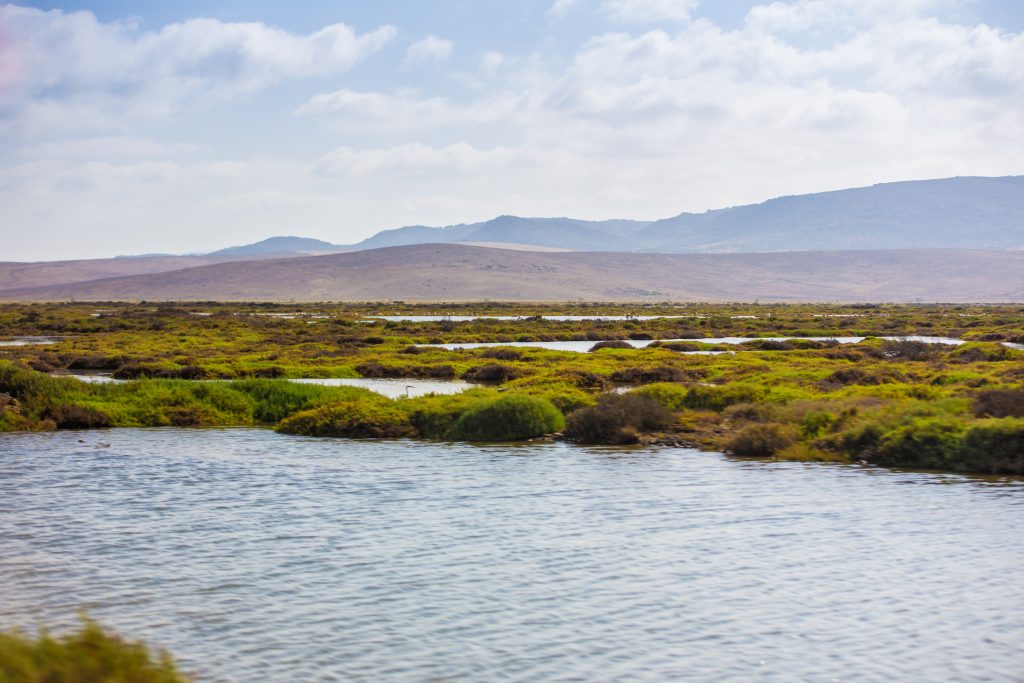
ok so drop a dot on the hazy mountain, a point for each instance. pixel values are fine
(448, 272)
(965, 213)
(561, 233)
(280, 245)
(974, 213)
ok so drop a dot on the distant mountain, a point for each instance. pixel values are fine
(449, 272)
(280, 245)
(960, 213)
(559, 233)
(965, 213)
(972, 213)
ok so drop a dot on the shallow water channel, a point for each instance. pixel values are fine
(253, 555)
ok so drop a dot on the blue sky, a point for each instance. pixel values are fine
(186, 126)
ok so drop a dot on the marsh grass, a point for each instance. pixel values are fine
(89, 655)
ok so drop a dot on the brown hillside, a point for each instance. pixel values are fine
(451, 272)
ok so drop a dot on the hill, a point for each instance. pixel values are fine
(444, 272)
(42, 273)
(963, 213)
(560, 233)
(280, 246)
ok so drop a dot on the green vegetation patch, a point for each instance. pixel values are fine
(89, 655)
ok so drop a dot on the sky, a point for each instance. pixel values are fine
(130, 127)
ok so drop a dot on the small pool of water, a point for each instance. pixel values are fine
(585, 346)
(28, 341)
(396, 388)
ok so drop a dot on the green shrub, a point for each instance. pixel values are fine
(357, 419)
(510, 418)
(29, 386)
(994, 446)
(612, 344)
(434, 416)
(565, 398)
(661, 373)
(760, 440)
(77, 417)
(718, 398)
(672, 396)
(816, 423)
(90, 655)
(617, 419)
(276, 400)
(492, 372)
(925, 442)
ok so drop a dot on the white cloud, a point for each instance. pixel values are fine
(430, 49)
(643, 11)
(72, 69)
(803, 96)
(456, 158)
(561, 7)
(653, 123)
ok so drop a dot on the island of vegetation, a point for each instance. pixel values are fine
(922, 386)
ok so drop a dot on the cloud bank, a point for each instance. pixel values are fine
(661, 111)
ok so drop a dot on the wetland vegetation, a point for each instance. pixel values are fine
(888, 399)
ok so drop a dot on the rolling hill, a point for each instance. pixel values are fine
(442, 272)
(41, 273)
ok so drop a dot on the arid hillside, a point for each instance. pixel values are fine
(449, 272)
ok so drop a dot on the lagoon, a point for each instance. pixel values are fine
(253, 555)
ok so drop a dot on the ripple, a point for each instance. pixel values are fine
(257, 556)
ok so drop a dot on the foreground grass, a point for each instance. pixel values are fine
(88, 655)
(897, 403)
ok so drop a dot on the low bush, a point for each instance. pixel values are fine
(760, 440)
(676, 346)
(492, 372)
(925, 442)
(434, 416)
(660, 373)
(502, 353)
(672, 396)
(89, 655)
(993, 446)
(612, 344)
(617, 419)
(999, 403)
(77, 417)
(509, 418)
(719, 398)
(356, 419)
(909, 349)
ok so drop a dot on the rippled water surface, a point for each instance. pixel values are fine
(255, 556)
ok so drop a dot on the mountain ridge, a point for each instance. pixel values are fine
(961, 212)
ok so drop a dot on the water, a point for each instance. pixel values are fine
(585, 346)
(557, 318)
(28, 341)
(392, 388)
(396, 388)
(258, 556)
